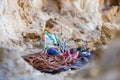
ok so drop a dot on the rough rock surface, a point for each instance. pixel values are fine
(93, 21)
(78, 18)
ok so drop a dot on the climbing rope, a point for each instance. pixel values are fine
(43, 61)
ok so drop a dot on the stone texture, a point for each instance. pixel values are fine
(110, 13)
(91, 22)
(24, 16)
(108, 33)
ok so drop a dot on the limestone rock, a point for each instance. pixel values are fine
(108, 33)
(13, 66)
(82, 21)
(75, 17)
(110, 14)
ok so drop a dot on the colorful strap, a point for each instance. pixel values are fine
(54, 39)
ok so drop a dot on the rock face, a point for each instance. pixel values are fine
(78, 18)
(93, 21)
(13, 67)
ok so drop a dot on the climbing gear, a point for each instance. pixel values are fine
(75, 55)
(53, 37)
(41, 43)
(84, 52)
(55, 64)
(53, 51)
(43, 61)
(63, 45)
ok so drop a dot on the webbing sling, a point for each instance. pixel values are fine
(54, 39)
